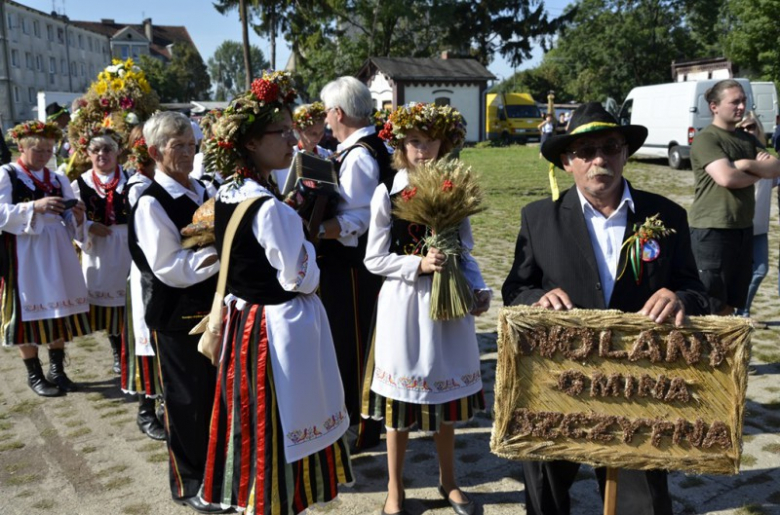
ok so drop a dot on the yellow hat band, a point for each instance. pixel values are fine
(594, 126)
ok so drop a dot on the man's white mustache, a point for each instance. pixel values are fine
(598, 170)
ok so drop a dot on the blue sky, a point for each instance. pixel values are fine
(207, 27)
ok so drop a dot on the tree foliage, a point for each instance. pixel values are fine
(182, 79)
(226, 68)
(753, 36)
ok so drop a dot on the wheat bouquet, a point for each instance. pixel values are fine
(440, 195)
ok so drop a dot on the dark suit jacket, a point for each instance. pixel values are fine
(554, 251)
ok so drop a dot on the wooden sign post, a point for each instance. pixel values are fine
(613, 389)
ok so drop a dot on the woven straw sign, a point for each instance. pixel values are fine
(614, 389)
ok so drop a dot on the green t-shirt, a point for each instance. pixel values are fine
(716, 207)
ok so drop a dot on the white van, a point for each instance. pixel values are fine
(765, 98)
(673, 114)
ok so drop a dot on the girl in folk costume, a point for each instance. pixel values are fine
(277, 432)
(105, 256)
(44, 296)
(309, 125)
(139, 363)
(419, 364)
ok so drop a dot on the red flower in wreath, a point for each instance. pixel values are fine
(387, 132)
(265, 90)
(446, 185)
(408, 194)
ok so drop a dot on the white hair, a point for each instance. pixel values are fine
(350, 95)
(163, 126)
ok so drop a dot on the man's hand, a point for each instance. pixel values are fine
(556, 299)
(662, 305)
(763, 156)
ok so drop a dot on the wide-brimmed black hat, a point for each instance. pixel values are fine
(588, 119)
(54, 111)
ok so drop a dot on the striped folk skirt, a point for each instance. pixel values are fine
(402, 416)
(37, 332)
(140, 374)
(246, 467)
(110, 319)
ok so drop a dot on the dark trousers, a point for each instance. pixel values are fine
(349, 294)
(188, 381)
(547, 485)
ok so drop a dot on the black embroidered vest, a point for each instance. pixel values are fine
(169, 308)
(406, 238)
(96, 205)
(250, 276)
(332, 251)
(22, 193)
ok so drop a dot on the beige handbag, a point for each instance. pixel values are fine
(210, 341)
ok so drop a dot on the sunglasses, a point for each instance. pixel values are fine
(750, 127)
(589, 152)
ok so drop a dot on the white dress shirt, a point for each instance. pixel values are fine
(358, 178)
(160, 241)
(606, 237)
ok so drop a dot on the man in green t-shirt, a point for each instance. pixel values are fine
(726, 163)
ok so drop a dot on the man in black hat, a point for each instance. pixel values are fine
(60, 115)
(568, 255)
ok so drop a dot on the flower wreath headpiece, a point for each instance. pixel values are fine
(47, 130)
(102, 129)
(307, 115)
(265, 101)
(439, 122)
(208, 120)
(139, 156)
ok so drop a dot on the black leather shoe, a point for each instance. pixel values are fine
(151, 427)
(38, 382)
(461, 508)
(403, 510)
(56, 374)
(197, 504)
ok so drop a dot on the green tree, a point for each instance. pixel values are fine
(226, 68)
(225, 6)
(752, 37)
(182, 79)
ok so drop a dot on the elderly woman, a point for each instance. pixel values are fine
(105, 258)
(276, 442)
(44, 295)
(407, 343)
(139, 363)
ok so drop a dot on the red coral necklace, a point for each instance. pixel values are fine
(46, 185)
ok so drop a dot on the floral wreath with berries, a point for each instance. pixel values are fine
(307, 115)
(35, 128)
(100, 129)
(138, 157)
(208, 120)
(439, 122)
(266, 101)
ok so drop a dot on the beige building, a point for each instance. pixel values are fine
(43, 52)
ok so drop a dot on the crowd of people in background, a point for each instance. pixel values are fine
(263, 430)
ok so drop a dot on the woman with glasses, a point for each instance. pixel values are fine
(763, 191)
(44, 298)
(105, 258)
(276, 443)
(407, 343)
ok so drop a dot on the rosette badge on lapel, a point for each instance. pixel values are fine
(643, 246)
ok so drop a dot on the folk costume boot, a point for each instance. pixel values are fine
(147, 419)
(116, 348)
(37, 382)
(57, 371)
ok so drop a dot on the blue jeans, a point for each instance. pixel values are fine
(760, 269)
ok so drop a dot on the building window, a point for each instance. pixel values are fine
(61, 35)
(73, 70)
(52, 65)
(16, 94)
(37, 28)
(39, 62)
(81, 41)
(89, 43)
(124, 51)
(136, 52)
(14, 58)
(25, 25)
(28, 60)
(442, 101)
(83, 70)
(10, 21)
(31, 95)
(49, 32)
